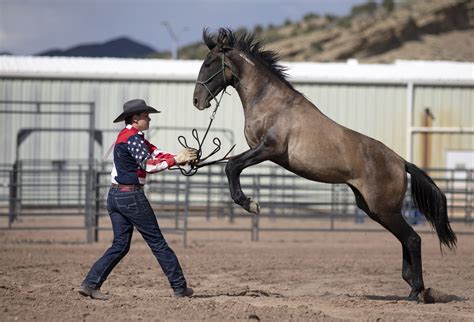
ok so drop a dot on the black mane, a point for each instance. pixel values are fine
(246, 42)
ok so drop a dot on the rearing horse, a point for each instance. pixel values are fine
(282, 126)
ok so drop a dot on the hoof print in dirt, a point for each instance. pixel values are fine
(431, 295)
(428, 297)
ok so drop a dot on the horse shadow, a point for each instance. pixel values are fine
(385, 297)
(431, 297)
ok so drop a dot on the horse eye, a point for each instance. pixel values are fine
(206, 64)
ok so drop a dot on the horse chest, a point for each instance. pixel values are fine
(251, 138)
(254, 132)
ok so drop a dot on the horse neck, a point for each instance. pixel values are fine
(256, 80)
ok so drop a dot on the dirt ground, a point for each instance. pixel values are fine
(326, 276)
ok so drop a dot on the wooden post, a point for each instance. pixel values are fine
(427, 122)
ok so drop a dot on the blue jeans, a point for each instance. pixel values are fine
(128, 210)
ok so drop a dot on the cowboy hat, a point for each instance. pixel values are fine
(133, 107)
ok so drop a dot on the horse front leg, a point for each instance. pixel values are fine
(235, 166)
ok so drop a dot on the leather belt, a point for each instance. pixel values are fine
(127, 187)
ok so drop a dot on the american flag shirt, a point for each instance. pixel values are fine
(134, 156)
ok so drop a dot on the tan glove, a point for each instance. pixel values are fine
(185, 156)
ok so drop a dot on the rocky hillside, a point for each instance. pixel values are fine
(416, 29)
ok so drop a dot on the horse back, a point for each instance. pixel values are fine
(320, 149)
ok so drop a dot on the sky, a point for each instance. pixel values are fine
(31, 26)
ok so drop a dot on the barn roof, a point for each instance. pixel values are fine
(401, 71)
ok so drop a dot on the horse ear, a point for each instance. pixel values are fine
(208, 40)
(211, 44)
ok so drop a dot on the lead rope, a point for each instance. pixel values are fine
(216, 141)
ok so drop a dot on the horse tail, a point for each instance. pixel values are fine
(431, 201)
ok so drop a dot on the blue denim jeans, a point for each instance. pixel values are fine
(128, 210)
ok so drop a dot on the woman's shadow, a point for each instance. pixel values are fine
(251, 293)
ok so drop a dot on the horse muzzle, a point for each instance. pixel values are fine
(201, 104)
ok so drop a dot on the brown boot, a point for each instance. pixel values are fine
(93, 293)
(187, 293)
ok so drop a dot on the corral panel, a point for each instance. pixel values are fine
(451, 107)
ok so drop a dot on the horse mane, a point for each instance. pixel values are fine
(246, 42)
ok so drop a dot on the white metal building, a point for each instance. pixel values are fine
(387, 102)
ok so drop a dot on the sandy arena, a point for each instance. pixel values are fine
(326, 276)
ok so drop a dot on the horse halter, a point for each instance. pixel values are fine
(216, 141)
(224, 65)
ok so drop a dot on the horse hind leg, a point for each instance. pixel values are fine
(411, 246)
(410, 240)
(414, 249)
(406, 266)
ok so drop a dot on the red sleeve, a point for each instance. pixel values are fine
(160, 155)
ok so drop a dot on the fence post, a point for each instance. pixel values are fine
(209, 194)
(177, 206)
(97, 206)
(90, 177)
(451, 187)
(224, 187)
(469, 195)
(18, 190)
(270, 194)
(13, 195)
(186, 213)
(334, 201)
(79, 185)
(255, 218)
(333, 198)
(89, 205)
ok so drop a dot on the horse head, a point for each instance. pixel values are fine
(216, 71)
(234, 60)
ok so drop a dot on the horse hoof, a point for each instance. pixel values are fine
(413, 297)
(254, 207)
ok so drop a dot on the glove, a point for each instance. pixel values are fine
(185, 156)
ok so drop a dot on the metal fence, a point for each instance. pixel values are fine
(58, 190)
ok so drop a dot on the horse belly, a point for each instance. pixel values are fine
(324, 160)
(317, 172)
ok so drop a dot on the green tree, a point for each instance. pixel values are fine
(310, 16)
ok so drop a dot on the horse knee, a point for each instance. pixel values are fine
(228, 169)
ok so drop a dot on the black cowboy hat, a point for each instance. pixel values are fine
(133, 107)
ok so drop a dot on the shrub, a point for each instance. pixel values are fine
(367, 8)
(388, 5)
